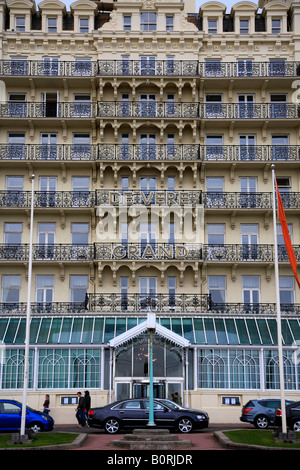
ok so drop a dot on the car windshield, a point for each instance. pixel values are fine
(171, 404)
(27, 407)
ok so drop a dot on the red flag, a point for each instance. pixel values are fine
(286, 235)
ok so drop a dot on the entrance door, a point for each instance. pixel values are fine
(141, 389)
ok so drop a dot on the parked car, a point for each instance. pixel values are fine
(292, 416)
(10, 417)
(134, 413)
(261, 413)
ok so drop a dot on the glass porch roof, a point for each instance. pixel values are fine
(99, 330)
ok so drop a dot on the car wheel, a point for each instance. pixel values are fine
(261, 422)
(185, 425)
(112, 426)
(296, 426)
(36, 427)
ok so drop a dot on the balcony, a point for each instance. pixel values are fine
(143, 152)
(148, 67)
(48, 199)
(147, 109)
(224, 200)
(150, 197)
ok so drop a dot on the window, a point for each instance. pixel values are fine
(83, 66)
(82, 105)
(212, 26)
(125, 65)
(249, 241)
(20, 23)
(147, 292)
(11, 285)
(147, 146)
(215, 234)
(79, 233)
(18, 65)
(278, 106)
(248, 192)
(124, 281)
(13, 233)
(50, 65)
(169, 23)
(16, 145)
(52, 24)
(148, 21)
(147, 65)
(170, 148)
(280, 147)
(44, 290)
(14, 187)
(286, 289)
(214, 191)
(277, 67)
(213, 106)
(125, 149)
(245, 68)
(78, 288)
(16, 104)
(83, 25)
(80, 191)
(47, 191)
(247, 149)
(213, 67)
(81, 148)
(148, 105)
(46, 240)
(251, 291)
(48, 149)
(244, 26)
(214, 147)
(126, 22)
(246, 106)
(217, 289)
(276, 25)
(172, 291)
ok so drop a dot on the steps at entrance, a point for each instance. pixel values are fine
(151, 439)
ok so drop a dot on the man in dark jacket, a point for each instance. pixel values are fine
(80, 413)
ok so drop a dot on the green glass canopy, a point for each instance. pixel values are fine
(99, 330)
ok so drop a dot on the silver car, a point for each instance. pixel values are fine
(261, 413)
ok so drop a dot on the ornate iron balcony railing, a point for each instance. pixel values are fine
(138, 152)
(60, 199)
(149, 109)
(148, 67)
(147, 197)
(123, 304)
(145, 251)
(224, 200)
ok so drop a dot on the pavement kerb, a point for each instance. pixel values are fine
(76, 443)
(226, 442)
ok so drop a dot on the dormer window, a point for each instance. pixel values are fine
(169, 23)
(244, 26)
(83, 25)
(276, 25)
(52, 24)
(20, 23)
(212, 26)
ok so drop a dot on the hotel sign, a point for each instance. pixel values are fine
(167, 198)
(150, 251)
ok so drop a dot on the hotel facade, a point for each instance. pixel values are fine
(149, 132)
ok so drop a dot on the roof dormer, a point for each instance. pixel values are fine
(20, 12)
(52, 15)
(276, 14)
(84, 12)
(212, 14)
(244, 17)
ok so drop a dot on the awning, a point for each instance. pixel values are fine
(94, 330)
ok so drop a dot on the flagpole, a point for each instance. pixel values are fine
(279, 334)
(27, 332)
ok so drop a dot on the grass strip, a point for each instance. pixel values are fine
(258, 437)
(42, 439)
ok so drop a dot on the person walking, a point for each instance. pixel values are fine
(46, 404)
(87, 402)
(80, 413)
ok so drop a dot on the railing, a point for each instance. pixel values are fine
(43, 199)
(145, 152)
(145, 251)
(147, 197)
(224, 200)
(148, 67)
(139, 304)
(143, 109)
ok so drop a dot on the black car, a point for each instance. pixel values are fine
(292, 416)
(134, 413)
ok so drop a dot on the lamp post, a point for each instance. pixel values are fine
(27, 333)
(151, 326)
